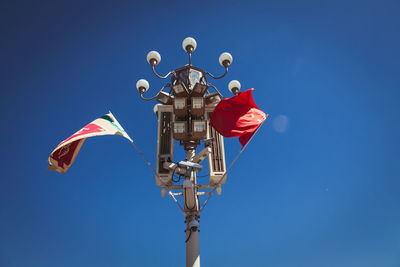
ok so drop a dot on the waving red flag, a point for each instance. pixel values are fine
(237, 116)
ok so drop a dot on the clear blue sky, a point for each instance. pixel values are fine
(321, 191)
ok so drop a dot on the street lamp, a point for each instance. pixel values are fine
(183, 116)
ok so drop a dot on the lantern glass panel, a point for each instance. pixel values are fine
(199, 126)
(199, 89)
(164, 98)
(180, 103)
(197, 102)
(194, 77)
(178, 88)
(179, 127)
(182, 77)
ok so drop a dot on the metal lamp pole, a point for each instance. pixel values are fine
(192, 213)
(183, 116)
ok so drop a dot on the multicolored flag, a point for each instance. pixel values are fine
(238, 116)
(65, 153)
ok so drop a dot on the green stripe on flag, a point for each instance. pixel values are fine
(108, 118)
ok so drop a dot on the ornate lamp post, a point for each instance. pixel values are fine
(183, 115)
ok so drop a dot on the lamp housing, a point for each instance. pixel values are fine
(212, 99)
(197, 106)
(179, 130)
(199, 129)
(189, 76)
(165, 98)
(180, 106)
(199, 89)
(179, 89)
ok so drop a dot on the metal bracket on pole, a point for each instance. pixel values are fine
(177, 203)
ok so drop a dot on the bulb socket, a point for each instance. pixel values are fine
(189, 49)
(153, 62)
(235, 90)
(142, 90)
(226, 63)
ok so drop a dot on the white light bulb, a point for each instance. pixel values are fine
(189, 41)
(142, 83)
(225, 57)
(234, 84)
(154, 55)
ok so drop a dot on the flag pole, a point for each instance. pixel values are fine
(158, 177)
(230, 166)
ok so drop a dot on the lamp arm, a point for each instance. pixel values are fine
(161, 77)
(151, 98)
(215, 88)
(216, 78)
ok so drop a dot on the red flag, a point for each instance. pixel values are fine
(237, 116)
